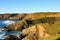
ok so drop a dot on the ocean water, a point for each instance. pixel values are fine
(4, 34)
(3, 23)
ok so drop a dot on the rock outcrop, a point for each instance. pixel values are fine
(11, 37)
(31, 28)
(36, 31)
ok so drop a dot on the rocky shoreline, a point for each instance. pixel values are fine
(27, 24)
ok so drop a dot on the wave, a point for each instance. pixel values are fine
(2, 36)
(7, 22)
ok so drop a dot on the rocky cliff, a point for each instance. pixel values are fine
(36, 25)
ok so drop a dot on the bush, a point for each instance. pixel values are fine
(50, 20)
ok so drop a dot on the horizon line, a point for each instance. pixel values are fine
(26, 12)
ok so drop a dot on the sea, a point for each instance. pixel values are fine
(4, 34)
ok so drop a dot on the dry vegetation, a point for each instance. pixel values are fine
(37, 26)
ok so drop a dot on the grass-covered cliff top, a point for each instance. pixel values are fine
(36, 15)
(50, 21)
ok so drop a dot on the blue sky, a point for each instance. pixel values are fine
(26, 6)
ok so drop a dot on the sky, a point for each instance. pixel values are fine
(28, 6)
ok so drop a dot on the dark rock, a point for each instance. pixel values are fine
(11, 37)
(58, 38)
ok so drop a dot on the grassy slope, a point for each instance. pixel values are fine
(52, 29)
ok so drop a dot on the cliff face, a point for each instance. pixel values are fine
(27, 20)
(18, 26)
(35, 32)
(27, 16)
(31, 25)
(12, 16)
(4, 16)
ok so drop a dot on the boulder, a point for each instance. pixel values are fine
(11, 37)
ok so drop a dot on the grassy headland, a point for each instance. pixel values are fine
(44, 24)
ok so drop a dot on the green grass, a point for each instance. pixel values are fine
(52, 37)
(52, 29)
